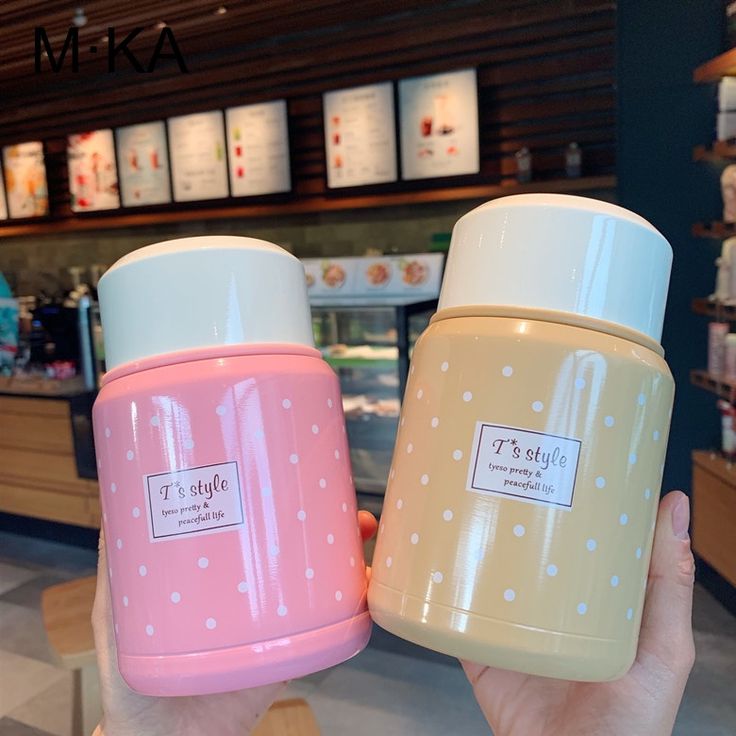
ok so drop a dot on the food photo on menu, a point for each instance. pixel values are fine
(378, 274)
(439, 125)
(25, 180)
(144, 164)
(410, 277)
(93, 178)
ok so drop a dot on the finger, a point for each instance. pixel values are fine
(666, 630)
(368, 525)
(101, 618)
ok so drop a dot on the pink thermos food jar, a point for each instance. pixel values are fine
(228, 506)
(520, 509)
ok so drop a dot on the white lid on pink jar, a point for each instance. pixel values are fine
(560, 252)
(202, 292)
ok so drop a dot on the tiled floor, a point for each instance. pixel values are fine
(392, 688)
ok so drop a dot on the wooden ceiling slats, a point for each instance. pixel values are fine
(195, 25)
(569, 55)
(444, 22)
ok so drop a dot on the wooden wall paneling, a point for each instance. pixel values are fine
(35, 468)
(487, 28)
(49, 505)
(545, 77)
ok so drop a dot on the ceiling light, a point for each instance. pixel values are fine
(79, 18)
(221, 10)
(161, 24)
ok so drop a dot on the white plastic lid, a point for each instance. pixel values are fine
(202, 292)
(559, 252)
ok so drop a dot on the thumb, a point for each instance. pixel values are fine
(666, 629)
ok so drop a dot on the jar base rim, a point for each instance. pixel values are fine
(246, 665)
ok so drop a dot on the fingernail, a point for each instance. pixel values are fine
(681, 518)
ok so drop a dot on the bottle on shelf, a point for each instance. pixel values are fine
(717, 332)
(730, 356)
(523, 165)
(573, 161)
(728, 435)
(726, 276)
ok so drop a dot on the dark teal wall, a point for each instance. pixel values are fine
(661, 116)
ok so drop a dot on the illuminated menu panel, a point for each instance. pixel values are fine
(197, 148)
(439, 125)
(25, 180)
(360, 136)
(258, 149)
(93, 175)
(3, 204)
(143, 163)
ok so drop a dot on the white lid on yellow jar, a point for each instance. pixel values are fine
(202, 292)
(560, 252)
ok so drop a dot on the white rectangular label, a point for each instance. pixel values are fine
(520, 463)
(193, 500)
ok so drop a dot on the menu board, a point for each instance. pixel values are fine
(198, 166)
(25, 180)
(360, 136)
(143, 160)
(93, 175)
(3, 205)
(258, 149)
(439, 125)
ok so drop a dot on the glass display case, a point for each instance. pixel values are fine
(369, 346)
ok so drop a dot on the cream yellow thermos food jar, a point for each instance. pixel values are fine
(520, 509)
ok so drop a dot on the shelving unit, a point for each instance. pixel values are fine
(713, 70)
(720, 151)
(714, 477)
(718, 385)
(101, 221)
(716, 230)
(714, 310)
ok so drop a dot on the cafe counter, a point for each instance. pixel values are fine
(47, 462)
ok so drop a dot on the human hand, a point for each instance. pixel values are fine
(126, 713)
(646, 699)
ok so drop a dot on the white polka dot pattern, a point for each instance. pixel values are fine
(581, 570)
(299, 509)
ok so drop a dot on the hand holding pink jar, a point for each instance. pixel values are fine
(228, 505)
